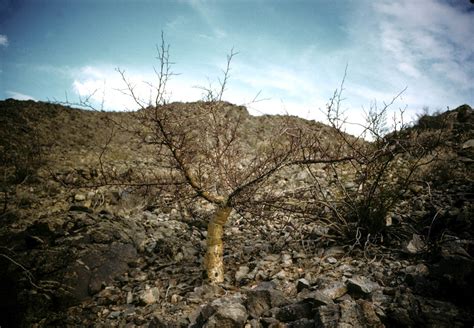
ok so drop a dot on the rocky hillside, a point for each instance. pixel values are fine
(77, 253)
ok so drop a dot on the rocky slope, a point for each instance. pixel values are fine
(77, 254)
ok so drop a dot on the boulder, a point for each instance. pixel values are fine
(334, 289)
(455, 273)
(263, 298)
(356, 314)
(361, 285)
(317, 298)
(96, 267)
(231, 315)
(410, 310)
(301, 323)
(295, 311)
(223, 312)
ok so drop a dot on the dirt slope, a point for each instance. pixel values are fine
(74, 253)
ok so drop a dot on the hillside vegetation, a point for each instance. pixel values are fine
(97, 229)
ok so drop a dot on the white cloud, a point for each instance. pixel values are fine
(409, 69)
(101, 87)
(94, 72)
(283, 92)
(455, 72)
(428, 34)
(104, 85)
(19, 96)
(3, 40)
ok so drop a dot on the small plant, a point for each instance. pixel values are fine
(382, 170)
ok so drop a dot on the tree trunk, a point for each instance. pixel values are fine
(214, 260)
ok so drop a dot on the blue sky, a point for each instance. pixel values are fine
(294, 52)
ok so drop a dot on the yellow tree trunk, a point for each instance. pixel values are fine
(214, 260)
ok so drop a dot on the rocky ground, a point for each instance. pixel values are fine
(106, 257)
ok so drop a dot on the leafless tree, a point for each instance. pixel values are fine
(210, 151)
(203, 151)
(207, 151)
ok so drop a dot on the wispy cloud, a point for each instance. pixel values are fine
(428, 36)
(3, 40)
(425, 45)
(58, 71)
(175, 23)
(201, 6)
(409, 69)
(217, 34)
(207, 11)
(19, 95)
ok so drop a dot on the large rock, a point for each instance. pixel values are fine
(409, 310)
(359, 314)
(316, 298)
(98, 266)
(361, 285)
(78, 252)
(263, 298)
(222, 312)
(468, 144)
(301, 323)
(232, 315)
(295, 311)
(334, 289)
(455, 273)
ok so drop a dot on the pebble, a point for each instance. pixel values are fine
(281, 275)
(129, 297)
(331, 260)
(114, 315)
(79, 197)
(302, 284)
(175, 298)
(241, 273)
(286, 260)
(149, 295)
